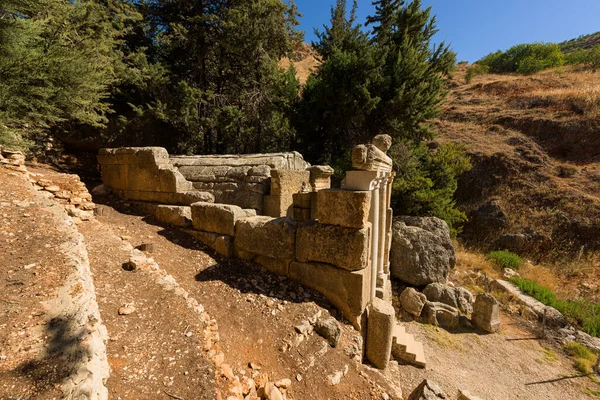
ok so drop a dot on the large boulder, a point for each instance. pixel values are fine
(486, 220)
(457, 297)
(422, 251)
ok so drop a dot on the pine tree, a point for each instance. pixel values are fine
(383, 20)
(337, 99)
(59, 60)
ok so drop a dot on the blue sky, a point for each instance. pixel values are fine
(475, 28)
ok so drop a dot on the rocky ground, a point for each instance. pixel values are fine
(184, 323)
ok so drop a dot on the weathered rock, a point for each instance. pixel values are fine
(329, 328)
(345, 208)
(348, 291)
(485, 313)
(412, 301)
(278, 266)
(216, 218)
(457, 297)
(284, 383)
(427, 390)
(421, 254)
(343, 247)
(174, 215)
(275, 238)
(441, 314)
(272, 392)
(381, 322)
(320, 177)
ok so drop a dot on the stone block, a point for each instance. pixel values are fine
(348, 291)
(222, 244)
(441, 314)
(217, 218)
(302, 200)
(266, 236)
(344, 208)
(174, 215)
(272, 206)
(485, 313)
(345, 248)
(284, 183)
(302, 214)
(115, 176)
(381, 320)
(278, 266)
(320, 177)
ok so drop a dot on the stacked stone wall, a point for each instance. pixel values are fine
(242, 180)
(147, 174)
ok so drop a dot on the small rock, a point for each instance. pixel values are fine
(336, 378)
(283, 383)
(299, 378)
(272, 393)
(427, 390)
(100, 190)
(486, 313)
(126, 309)
(254, 366)
(305, 328)
(329, 328)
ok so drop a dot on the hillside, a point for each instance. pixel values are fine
(582, 42)
(535, 146)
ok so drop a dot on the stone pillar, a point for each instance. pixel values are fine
(374, 219)
(382, 236)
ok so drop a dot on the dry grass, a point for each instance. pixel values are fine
(580, 99)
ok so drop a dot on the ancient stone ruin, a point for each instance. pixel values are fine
(280, 212)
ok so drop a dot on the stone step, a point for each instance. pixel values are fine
(405, 347)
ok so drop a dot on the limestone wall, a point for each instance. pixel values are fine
(147, 174)
(241, 180)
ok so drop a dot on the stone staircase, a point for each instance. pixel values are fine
(406, 348)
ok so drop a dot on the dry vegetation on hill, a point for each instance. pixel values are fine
(535, 145)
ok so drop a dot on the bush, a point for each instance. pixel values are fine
(589, 58)
(586, 313)
(476, 70)
(505, 259)
(525, 58)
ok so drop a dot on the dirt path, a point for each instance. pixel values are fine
(51, 334)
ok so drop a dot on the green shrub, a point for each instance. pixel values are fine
(505, 259)
(525, 58)
(587, 57)
(584, 312)
(475, 70)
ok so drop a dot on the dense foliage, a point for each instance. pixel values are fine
(203, 76)
(524, 58)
